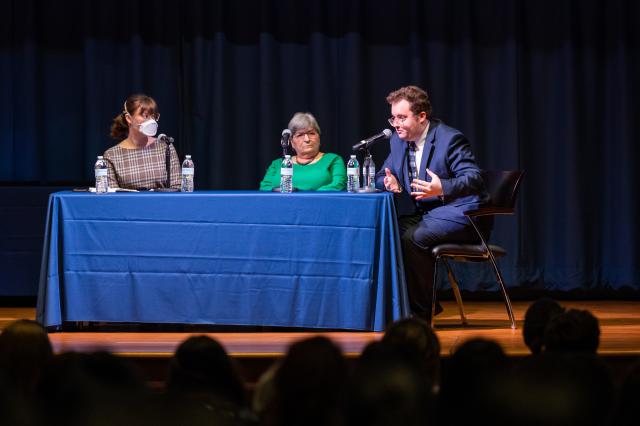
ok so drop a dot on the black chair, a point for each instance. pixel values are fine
(503, 187)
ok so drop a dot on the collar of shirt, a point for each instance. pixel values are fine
(420, 147)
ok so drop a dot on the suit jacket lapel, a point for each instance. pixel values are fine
(405, 168)
(428, 146)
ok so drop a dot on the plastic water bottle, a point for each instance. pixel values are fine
(102, 180)
(353, 174)
(187, 174)
(369, 173)
(286, 175)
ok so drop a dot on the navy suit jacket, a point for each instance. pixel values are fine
(448, 154)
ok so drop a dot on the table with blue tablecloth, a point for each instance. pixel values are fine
(308, 259)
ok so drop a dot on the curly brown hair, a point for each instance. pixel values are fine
(418, 98)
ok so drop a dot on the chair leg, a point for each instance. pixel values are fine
(492, 258)
(435, 292)
(456, 291)
(507, 301)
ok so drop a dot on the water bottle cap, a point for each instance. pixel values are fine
(287, 156)
(100, 157)
(187, 156)
(353, 156)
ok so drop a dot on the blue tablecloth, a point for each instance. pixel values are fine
(308, 259)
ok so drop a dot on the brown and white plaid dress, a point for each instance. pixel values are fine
(141, 168)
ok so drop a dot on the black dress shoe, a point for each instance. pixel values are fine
(439, 309)
(426, 316)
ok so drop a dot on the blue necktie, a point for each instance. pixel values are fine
(413, 169)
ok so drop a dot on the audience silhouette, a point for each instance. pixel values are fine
(397, 380)
(535, 322)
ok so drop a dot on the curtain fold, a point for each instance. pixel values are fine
(545, 86)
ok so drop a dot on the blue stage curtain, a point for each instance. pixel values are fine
(545, 86)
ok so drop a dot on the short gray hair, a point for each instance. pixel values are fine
(303, 120)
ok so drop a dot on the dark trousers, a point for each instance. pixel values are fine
(419, 233)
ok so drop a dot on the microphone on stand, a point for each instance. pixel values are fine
(164, 138)
(365, 143)
(168, 140)
(285, 141)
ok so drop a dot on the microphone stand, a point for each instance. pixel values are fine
(167, 157)
(285, 149)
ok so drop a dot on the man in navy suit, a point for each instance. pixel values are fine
(433, 171)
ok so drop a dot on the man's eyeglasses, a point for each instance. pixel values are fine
(399, 118)
(310, 134)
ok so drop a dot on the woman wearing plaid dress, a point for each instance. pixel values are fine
(138, 161)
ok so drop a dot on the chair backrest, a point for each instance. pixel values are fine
(502, 186)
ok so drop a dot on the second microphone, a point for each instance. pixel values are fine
(365, 143)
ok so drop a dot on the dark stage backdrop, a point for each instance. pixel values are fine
(546, 86)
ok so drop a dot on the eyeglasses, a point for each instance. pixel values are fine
(145, 117)
(400, 118)
(310, 134)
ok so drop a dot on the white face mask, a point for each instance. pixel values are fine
(149, 127)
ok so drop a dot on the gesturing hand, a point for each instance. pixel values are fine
(423, 189)
(390, 182)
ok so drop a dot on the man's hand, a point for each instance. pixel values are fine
(423, 189)
(390, 182)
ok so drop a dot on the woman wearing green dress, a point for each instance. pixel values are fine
(313, 170)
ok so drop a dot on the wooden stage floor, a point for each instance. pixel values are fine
(619, 323)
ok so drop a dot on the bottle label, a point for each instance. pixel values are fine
(101, 172)
(187, 170)
(352, 172)
(286, 172)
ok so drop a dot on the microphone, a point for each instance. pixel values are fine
(164, 138)
(384, 134)
(286, 137)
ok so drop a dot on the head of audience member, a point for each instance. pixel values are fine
(627, 410)
(554, 389)
(310, 384)
(535, 321)
(410, 112)
(25, 351)
(415, 339)
(469, 373)
(476, 357)
(15, 410)
(574, 330)
(305, 137)
(201, 365)
(388, 388)
(138, 119)
(91, 388)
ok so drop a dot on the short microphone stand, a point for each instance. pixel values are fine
(167, 156)
(285, 149)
